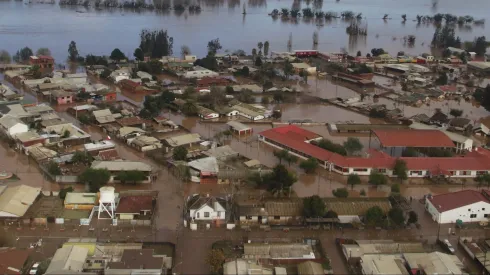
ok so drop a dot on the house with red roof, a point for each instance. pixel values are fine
(464, 205)
(298, 142)
(43, 61)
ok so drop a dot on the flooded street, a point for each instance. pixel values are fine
(100, 31)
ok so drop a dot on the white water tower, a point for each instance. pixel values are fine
(107, 201)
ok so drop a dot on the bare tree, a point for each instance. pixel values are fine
(185, 50)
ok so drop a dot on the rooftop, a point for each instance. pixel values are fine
(10, 121)
(68, 259)
(109, 154)
(238, 126)
(123, 131)
(413, 138)
(383, 264)
(80, 198)
(16, 200)
(101, 145)
(356, 206)
(134, 204)
(454, 200)
(221, 152)
(183, 139)
(206, 165)
(278, 251)
(130, 121)
(120, 165)
(12, 260)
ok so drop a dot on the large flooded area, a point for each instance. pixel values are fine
(99, 31)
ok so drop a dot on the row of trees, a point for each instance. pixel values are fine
(22, 55)
(309, 13)
(97, 178)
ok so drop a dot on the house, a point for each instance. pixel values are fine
(352, 210)
(272, 212)
(136, 87)
(278, 251)
(139, 261)
(109, 154)
(80, 201)
(383, 264)
(134, 121)
(205, 113)
(75, 79)
(68, 260)
(254, 88)
(144, 75)
(221, 153)
(460, 124)
(207, 82)
(43, 61)
(135, 207)
(198, 74)
(206, 208)
(117, 166)
(16, 200)
(183, 140)
(93, 148)
(454, 50)
(27, 139)
(433, 263)
(439, 118)
(68, 134)
(103, 116)
(480, 67)
(120, 74)
(129, 132)
(204, 170)
(61, 97)
(244, 267)
(310, 268)
(465, 205)
(240, 128)
(144, 143)
(482, 128)
(249, 111)
(14, 261)
(12, 126)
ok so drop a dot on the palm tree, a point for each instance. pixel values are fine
(260, 45)
(189, 108)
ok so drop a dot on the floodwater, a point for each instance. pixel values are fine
(100, 31)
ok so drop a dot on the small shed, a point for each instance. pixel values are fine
(239, 127)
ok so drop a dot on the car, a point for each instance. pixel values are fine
(449, 246)
(34, 268)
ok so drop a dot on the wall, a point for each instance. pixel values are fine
(461, 213)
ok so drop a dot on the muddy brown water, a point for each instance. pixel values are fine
(100, 31)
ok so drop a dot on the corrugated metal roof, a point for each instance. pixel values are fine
(121, 165)
(16, 200)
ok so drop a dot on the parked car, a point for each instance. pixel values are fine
(449, 246)
(34, 268)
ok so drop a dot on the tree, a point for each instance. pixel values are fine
(353, 179)
(23, 55)
(359, 53)
(483, 179)
(214, 46)
(266, 48)
(442, 79)
(189, 108)
(185, 50)
(131, 176)
(208, 62)
(412, 217)
(313, 207)
(258, 61)
(480, 46)
(377, 51)
(62, 193)
(215, 259)
(340, 192)
(377, 179)
(260, 45)
(82, 157)
(404, 17)
(309, 165)
(179, 153)
(43, 51)
(35, 71)
(374, 215)
(291, 159)
(280, 179)
(288, 69)
(456, 112)
(54, 168)
(281, 155)
(353, 145)
(5, 57)
(396, 216)
(395, 188)
(138, 54)
(105, 73)
(276, 114)
(72, 51)
(254, 52)
(95, 178)
(400, 169)
(331, 214)
(117, 55)
(409, 152)
(156, 43)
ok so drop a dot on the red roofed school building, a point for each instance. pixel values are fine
(465, 205)
(298, 142)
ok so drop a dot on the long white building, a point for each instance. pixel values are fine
(465, 205)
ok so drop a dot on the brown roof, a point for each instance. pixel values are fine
(130, 121)
(134, 204)
(137, 259)
(12, 259)
(284, 208)
(413, 138)
(110, 154)
(356, 206)
(450, 201)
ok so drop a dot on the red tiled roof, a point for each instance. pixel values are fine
(134, 204)
(413, 138)
(295, 138)
(45, 57)
(11, 258)
(450, 201)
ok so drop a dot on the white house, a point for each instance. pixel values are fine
(11, 125)
(249, 112)
(206, 208)
(200, 74)
(119, 75)
(465, 205)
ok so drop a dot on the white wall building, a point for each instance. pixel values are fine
(206, 208)
(465, 205)
(119, 75)
(11, 125)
